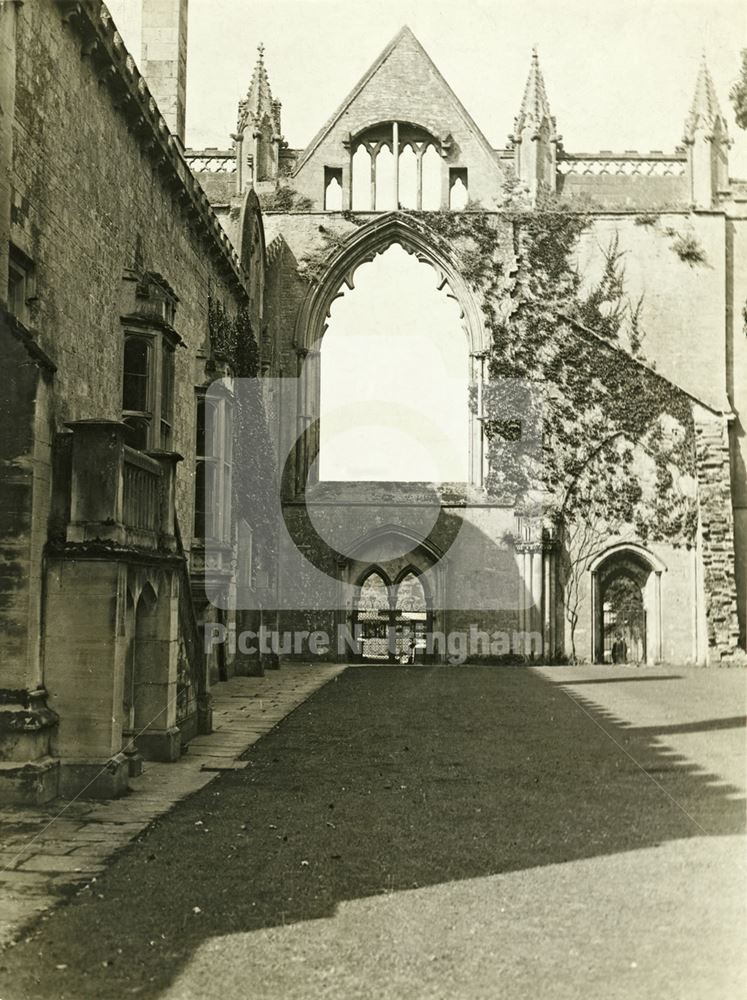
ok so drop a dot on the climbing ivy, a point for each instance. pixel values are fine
(285, 199)
(561, 373)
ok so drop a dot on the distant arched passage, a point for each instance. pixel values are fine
(626, 605)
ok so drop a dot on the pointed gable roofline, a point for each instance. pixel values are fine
(535, 107)
(258, 104)
(705, 110)
(404, 33)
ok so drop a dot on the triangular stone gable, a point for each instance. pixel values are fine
(404, 85)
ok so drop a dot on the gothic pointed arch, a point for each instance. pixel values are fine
(626, 604)
(399, 531)
(367, 242)
(370, 571)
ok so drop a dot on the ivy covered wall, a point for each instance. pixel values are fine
(563, 314)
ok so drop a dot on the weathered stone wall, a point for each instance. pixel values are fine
(736, 360)
(624, 192)
(99, 190)
(683, 303)
(89, 197)
(683, 306)
(717, 538)
(682, 607)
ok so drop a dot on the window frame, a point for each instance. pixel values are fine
(21, 275)
(157, 419)
(217, 456)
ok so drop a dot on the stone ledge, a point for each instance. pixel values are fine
(29, 783)
(94, 779)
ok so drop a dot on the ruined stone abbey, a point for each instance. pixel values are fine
(163, 330)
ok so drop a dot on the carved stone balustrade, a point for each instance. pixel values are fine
(117, 494)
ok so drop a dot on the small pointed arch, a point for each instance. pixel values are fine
(411, 591)
(385, 168)
(634, 551)
(361, 185)
(333, 196)
(408, 541)
(626, 604)
(408, 177)
(432, 166)
(458, 195)
(373, 590)
(372, 571)
(147, 597)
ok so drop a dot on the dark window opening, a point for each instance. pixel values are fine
(20, 282)
(136, 374)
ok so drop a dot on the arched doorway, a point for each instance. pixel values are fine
(413, 617)
(371, 617)
(626, 606)
(392, 621)
(624, 621)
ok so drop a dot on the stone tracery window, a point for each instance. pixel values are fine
(395, 165)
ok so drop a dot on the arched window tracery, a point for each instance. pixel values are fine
(396, 165)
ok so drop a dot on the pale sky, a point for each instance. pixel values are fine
(619, 73)
(394, 378)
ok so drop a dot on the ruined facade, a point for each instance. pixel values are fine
(398, 159)
(145, 281)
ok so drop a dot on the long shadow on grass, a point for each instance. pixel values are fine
(389, 779)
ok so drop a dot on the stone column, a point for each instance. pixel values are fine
(164, 59)
(395, 157)
(536, 617)
(238, 140)
(547, 603)
(526, 593)
(347, 175)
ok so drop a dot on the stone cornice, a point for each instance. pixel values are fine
(102, 45)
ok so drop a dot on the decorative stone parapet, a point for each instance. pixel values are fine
(117, 494)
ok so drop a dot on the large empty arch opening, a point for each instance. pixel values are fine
(394, 380)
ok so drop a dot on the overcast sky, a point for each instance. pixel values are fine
(619, 73)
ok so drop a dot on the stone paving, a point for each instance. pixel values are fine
(49, 852)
